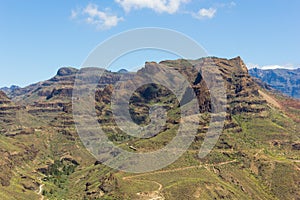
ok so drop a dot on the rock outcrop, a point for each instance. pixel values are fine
(8, 109)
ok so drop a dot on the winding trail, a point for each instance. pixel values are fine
(156, 195)
(160, 186)
(179, 169)
(40, 192)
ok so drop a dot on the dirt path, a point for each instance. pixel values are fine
(156, 195)
(40, 191)
(179, 169)
(153, 195)
(160, 185)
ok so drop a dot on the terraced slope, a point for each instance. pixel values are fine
(256, 157)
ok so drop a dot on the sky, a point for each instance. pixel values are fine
(39, 37)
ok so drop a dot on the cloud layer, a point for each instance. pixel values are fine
(288, 66)
(205, 13)
(160, 6)
(101, 19)
(104, 19)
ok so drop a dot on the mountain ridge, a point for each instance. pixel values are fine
(256, 156)
(284, 80)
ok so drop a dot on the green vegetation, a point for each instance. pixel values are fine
(256, 157)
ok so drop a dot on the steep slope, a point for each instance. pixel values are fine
(8, 110)
(284, 80)
(256, 157)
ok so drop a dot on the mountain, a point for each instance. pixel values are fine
(256, 157)
(10, 89)
(123, 71)
(286, 81)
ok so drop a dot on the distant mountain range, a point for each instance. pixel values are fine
(10, 89)
(286, 81)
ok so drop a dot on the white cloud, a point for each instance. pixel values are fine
(204, 13)
(272, 67)
(265, 67)
(104, 19)
(251, 65)
(160, 6)
(74, 14)
(101, 19)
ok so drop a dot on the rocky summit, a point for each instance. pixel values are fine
(256, 157)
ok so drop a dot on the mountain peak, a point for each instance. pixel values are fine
(239, 61)
(66, 71)
(10, 89)
(123, 71)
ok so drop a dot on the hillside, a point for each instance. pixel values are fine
(256, 157)
(284, 80)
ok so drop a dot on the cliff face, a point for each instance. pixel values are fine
(50, 100)
(284, 80)
(242, 91)
(258, 144)
(8, 110)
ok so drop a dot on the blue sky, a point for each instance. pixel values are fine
(38, 37)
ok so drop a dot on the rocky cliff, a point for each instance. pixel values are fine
(256, 157)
